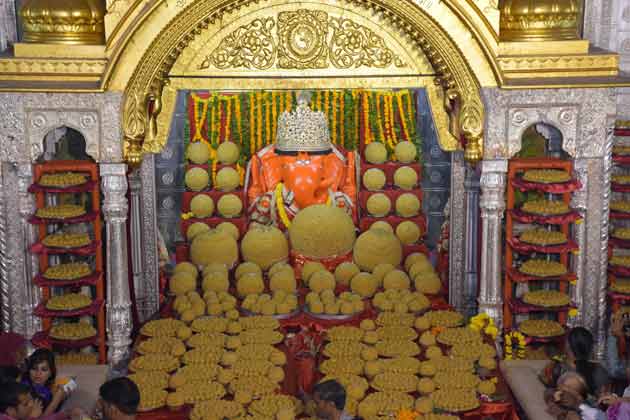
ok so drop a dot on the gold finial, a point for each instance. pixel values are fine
(540, 20)
(78, 22)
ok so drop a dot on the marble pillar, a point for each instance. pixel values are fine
(492, 206)
(115, 207)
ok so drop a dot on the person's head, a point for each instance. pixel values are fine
(13, 349)
(41, 367)
(580, 342)
(16, 400)
(573, 384)
(329, 397)
(119, 398)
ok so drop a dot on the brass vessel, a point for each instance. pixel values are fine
(540, 20)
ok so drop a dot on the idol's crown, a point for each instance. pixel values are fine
(303, 130)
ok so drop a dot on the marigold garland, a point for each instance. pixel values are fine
(342, 116)
(267, 118)
(367, 134)
(228, 118)
(237, 113)
(405, 414)
(401, 111)
(214, 172)
(333, 128)
(198, 136)
(355, 116)
(252, 123)
(289, 102)
(379, 117)
(259, 117)
(280, 205)
(514, 338)
(274, 117)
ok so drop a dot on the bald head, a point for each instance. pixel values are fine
(574, 382)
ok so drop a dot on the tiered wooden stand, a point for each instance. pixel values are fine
(516, 250)
(91, 253)
(616, 246)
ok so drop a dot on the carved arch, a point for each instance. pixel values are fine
(455, 76)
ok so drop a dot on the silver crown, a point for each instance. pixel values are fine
(303, 130)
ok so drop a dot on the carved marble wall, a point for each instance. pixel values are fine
(585, 118)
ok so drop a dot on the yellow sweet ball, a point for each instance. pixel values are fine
(233, 343)
(250, 284)
(188, 316)
(316, 307)
(321, 231)
(182, 283)
(214, 309)
(243, 397)
(184, 333)
(246, 268)
(374, 179)
(487, 388)
(215, 281)
(374, 247)
(367, 325)
(225, 376)
(380, 271)
(370, 337)
(229, 358)
(372, 368)
(369, 353)
(422, 323)
(401, 307)
(199, 308)
(378, 205)
(364, 284)
(488, 363)
(309, 268)
(276, 374)
(381, 224)
(396, 279)
(198, 153)
(196, 179)
(414, 258)
(232, 314)
(405, 178)
(227, 179)
(420, 267)
(327, 296)
(214, 247)
(408, 232)
(426, 386)
(321, 280)
(283, 280)
(407, 205)
(286, 413)
(176, 381)
(428, 283)
(424, 405)
(215, 267)
(376, 153)
(427, 339)
(428, 369)
(229, 206)
(228, 153)
(277, 267)
(187, 267)
(278, 358)
(265, 246)
(229, 228)
(175, 399)
(406, 152)
(345, 271)
(202, 205)
(195, 229)
(433, 352)
(347, 308)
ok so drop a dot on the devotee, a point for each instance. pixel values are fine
(119, 399)
(569, 400)
(40, 376)
(616, 348)
(579, 348)
(17, 403)
(330, 400)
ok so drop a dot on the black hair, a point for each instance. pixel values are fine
(331, 391)
(9, 374)
(122, 393)
(40, 356)
(581, 344)
(9, 394)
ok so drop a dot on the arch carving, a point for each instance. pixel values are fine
(457, 87)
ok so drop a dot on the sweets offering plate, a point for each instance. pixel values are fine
(546, 207)
(546, 176)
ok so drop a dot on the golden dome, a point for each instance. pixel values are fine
(540, 20)
(64, 21)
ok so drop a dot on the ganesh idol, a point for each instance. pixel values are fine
(302, 168)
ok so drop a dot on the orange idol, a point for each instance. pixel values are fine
(301, 169)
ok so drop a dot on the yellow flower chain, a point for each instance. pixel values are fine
(259, 134)
(390, 99)
(355, 95)
(401, 111)
(228, 118)
(214, 172)
(367, 134)
(212, 112)
(267, 118)
(241, 174)
(405, 414)
(237, 113)
(519, 339)
(326, 106)
(333, 116)
(274, 117)
(379, 117)
(280, 205)
(410, 113)
(199, 122)
(342, 122)
(388, 128)
(289, 100)
(252, 122)
(318, 100)
(186, 216)
(281, 103)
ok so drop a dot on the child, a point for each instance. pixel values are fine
(40, 376)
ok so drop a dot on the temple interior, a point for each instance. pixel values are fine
(236, 209)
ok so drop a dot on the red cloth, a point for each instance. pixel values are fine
(87, 217)
(11, 345)
(521, 246)
(617, 187)
(85, 187)
(524, 217)
(619, 243)
(555, 188)
(89, 249)
(619, 270)
(517, 276)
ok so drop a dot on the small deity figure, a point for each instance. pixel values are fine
(303, 168)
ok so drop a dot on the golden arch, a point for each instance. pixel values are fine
(458, 83)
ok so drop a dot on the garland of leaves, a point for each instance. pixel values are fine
(250, 118)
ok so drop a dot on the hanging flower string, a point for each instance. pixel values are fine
(483, 322)
(515, 339)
